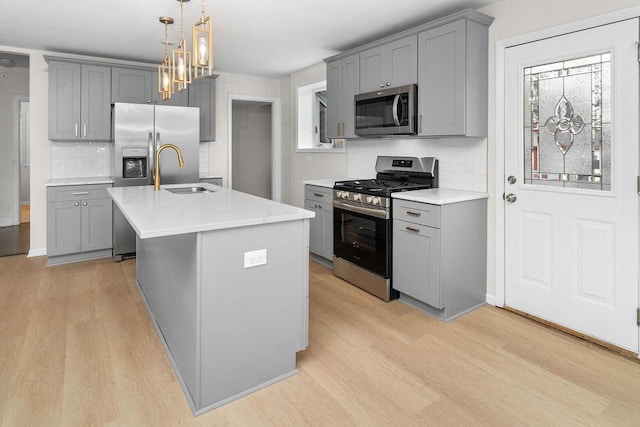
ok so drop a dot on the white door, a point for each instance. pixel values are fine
(571, 162)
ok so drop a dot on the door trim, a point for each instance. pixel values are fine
(501, 45)
(276, 141)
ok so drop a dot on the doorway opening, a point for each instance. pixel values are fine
(15, 162)
(254, 146)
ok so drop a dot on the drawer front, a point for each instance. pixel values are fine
(77, 192)
(318, 194)
(417, 213)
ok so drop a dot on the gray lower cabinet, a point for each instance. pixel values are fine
(79, 101)
(439, 256)
(452, 79)
(202, 94)
(392, 64)
(79, 223)
(343, 83)
(213, 180)
(319, 200)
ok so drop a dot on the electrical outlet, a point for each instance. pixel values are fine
(255, 258)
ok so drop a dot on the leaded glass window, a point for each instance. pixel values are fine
(567, 123)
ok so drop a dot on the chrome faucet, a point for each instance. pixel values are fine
(156, 171)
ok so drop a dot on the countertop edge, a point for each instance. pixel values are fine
(439, 196)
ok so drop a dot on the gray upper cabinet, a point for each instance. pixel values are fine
(392, 64)
(452, 79)
(202, 94)
(79, 101)
(132, 85)
(140, 86)
(343, 83)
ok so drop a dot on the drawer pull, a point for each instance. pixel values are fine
(413, 213)
(415, 230)
(318, 194)
(80, 193)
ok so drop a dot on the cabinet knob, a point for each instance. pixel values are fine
(76, 204)
(84, 203)
(388, 83)
(382, 85)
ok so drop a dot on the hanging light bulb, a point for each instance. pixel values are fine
(181, 63)
(203, 46)
(164, 70)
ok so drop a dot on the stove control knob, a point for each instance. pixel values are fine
(345, 195)
(357, 197)
(375, 200)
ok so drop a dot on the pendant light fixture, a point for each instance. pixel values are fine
(165, 86)
(203, 46)
(181, 61)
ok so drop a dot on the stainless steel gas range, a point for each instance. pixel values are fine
(362, 220)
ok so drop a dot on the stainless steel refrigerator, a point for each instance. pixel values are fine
(138, 131)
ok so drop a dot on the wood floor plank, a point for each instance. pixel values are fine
(78, 348)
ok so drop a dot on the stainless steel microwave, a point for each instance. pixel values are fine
(390, 111)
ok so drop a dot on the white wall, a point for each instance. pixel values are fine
(517, 17)
(308, 165)
(16, 82)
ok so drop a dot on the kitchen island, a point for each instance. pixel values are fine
(225, 278)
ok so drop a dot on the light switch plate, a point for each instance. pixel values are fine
(255, 258)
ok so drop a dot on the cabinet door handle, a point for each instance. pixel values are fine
(318, 194)
(84, 130)
(413, 213)
(75, 127)
(76, 204)
(415, 230)
(338, 128)
(80, 193)
(420, 124)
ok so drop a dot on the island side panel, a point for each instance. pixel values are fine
(253, 320)
(167, 275)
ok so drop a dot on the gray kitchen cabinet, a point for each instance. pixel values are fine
(79, 101)
(140, 86)
(202, 94)
(79, 223)
(452, 79)
(343, 83)
(390, 65)
(320, 200)
(439, 256)
(213, 180)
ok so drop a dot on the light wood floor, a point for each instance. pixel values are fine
(77, 348)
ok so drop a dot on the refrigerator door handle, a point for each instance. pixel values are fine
(152, 155)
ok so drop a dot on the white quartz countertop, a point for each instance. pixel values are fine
(439, 196)
(161, 213)
(324, 182)
(57, 182)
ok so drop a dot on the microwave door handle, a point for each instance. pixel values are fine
(396, 101)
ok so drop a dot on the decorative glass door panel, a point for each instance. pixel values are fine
(567, 123)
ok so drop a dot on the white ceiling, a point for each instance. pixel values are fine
(258, 37)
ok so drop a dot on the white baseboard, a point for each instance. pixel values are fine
(6, 222)
(491, 299)
(37, 252)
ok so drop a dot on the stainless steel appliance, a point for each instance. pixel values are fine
(362, 220)
(138, 131)
(387, 111)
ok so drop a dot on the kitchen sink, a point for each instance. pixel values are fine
(189, 190)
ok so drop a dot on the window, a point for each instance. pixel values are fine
(312, 117)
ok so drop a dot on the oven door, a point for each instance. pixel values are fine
(361, 236)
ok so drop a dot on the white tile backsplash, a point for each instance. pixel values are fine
(81, 159)
(462, 161)
(84, 159)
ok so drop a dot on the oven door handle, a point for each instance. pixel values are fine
(378, 213)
